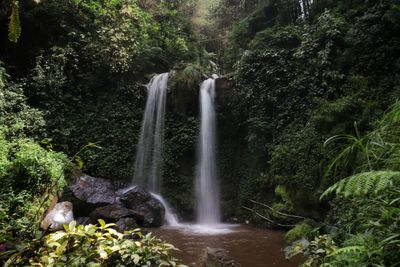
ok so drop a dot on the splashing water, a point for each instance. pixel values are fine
(170, 217)
(148, 164)
(207, 190)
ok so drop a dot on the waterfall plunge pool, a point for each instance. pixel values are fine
(247, 245)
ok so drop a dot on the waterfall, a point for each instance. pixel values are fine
(207, 189)
(305, 8)
(148, 163)
(170, 217)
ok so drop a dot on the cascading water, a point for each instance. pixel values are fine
(207, 189)
(148, 164)
(305, 8)
(170, 217)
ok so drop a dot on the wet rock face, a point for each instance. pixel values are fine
(95, 191)
(97, 198)
(133, 196)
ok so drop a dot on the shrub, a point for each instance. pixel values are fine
(28, 174)
(93, 245)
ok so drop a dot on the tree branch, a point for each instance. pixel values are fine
(278, 212)
(268, 219)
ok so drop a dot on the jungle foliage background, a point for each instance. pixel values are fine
(73, 73)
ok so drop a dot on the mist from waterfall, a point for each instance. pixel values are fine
(207, 189)
(148, 162)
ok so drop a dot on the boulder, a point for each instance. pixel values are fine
(133, 196)
(110, 200)
(142, 202)
(216, 257)
(88, 193)
(58, 216)
(96, 191)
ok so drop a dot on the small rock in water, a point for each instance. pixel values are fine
(59, 215)
(216, 257)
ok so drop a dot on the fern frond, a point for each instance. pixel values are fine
(14, 26)
(363, 183)
(348, 250)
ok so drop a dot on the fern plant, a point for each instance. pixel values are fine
(363, 183)
(367, 207)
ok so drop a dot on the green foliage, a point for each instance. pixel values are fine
(300, 83)
(91, 60)
(364, 183)
(179, 164)
(17, 119)
(369, 212)
(188, 75)
(318, 249)
(301, 230)
(28, 173)
(286, 203)
(14, 26)
(92, 245)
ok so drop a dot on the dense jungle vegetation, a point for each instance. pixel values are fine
(308, 126)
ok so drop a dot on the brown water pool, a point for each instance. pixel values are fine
(249, 246)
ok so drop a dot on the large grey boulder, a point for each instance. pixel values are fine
(110, 200)
(96, 191)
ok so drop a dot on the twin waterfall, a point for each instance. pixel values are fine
(149, 163)
(207, 192)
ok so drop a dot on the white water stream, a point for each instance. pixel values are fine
(148, 163)
(207, 189)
